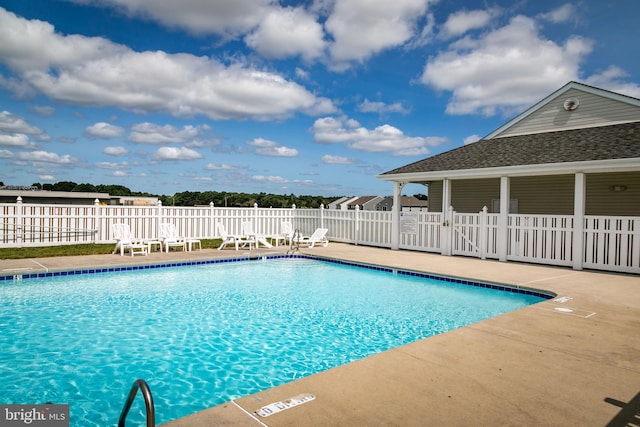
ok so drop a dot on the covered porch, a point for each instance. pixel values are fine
(580, 218)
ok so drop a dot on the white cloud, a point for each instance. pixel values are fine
(426, 34)
(380, 107)
(362, 28)
(302, 74)
(115, 151)
(43, 110)
(462, 21)
(272, 179)
(149, 133)
(226, 18)
(6, 154)
(385, 138)
(495, 72)
(565, 13)
(111, 165)
(265, 147)
(337, 160)
(16, 140)
(222, 166)
(46, 157)
(610, 79)
(49, 178)
(471, 139)
(175, 153)
(288, 32)
(103, 130)
(201, 143)
(16, 131)
(97, 72)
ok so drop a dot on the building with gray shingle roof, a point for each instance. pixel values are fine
(573, 157)
(577, 129)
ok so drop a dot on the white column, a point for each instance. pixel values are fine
(395, 215)
(503, 235)
(447, 218)
(579, 197)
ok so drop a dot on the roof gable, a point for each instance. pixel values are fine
(573, 106)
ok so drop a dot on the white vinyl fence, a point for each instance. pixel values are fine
(608, 243)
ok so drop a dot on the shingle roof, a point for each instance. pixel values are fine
(598, 143)
(362, 200)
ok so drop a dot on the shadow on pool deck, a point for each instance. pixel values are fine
(535, 366)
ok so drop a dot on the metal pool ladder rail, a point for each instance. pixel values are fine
(148, 402)
(295, 242)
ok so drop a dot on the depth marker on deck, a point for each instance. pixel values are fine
(276, 407)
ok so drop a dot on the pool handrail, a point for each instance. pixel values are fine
(148, 401)
(294, 244)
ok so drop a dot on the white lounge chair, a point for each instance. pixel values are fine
(238, 241)
(247, 231)
(170, 238)
(125, 241)
(318, 236)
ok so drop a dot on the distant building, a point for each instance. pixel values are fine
(337, 203)
(364, 203)
(33, 195)
(407, 204)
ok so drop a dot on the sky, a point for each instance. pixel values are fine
(311, 97)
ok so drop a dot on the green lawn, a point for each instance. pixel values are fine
(65, 250)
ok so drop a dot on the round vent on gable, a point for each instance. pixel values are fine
(571, 104)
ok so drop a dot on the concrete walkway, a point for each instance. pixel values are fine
(537, 366)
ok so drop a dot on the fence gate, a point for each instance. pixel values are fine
(466, 234)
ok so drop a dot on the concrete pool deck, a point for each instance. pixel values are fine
(531, 367)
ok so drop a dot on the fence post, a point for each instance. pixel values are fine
(19, 221)
(578, 221)
(256, 219)
(321, 215)
(484, 232)
(503, 218)
(447, 231)
(96, 219)
(356, 224)
(212, 221)
(295, 224)
(158, 217)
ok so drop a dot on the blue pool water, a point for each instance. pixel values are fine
(203, 335)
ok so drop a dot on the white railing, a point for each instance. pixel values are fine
(544, 239)
(608, 243)
(612, 243)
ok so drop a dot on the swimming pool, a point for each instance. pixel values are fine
(205, 334)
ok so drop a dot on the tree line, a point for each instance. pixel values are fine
(201, 198)
(196, 198)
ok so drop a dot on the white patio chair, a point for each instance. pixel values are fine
(170, 238)
(125, 241)
(238, 241)
(286, 233)
(247, 231)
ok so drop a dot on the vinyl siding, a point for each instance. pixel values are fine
(474, 194)
(603, 200)
(593, 111)
(434, 191)
(542, 195)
